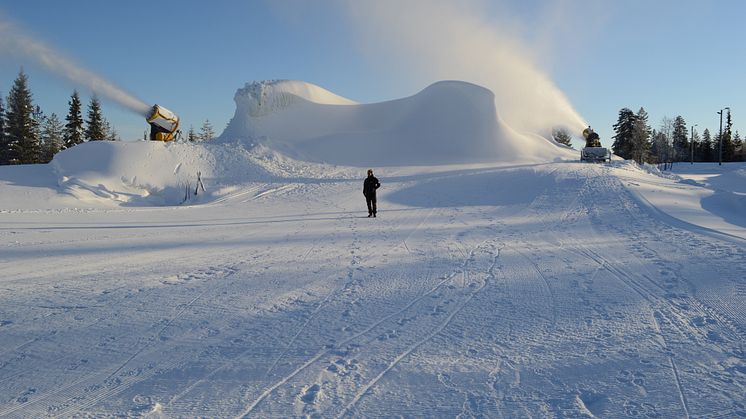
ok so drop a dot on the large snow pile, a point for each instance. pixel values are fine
(449, 122)
(287, 129)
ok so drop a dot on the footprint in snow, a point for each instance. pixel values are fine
(310, 394)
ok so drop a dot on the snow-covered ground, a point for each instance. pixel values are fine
(520, 287)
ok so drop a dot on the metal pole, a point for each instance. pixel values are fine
(691, 143)
(720, 137)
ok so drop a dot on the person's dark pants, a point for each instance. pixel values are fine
(371, 201)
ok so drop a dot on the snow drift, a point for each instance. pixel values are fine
(151, 172)
(449, 122)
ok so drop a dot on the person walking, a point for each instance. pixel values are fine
(369, 190)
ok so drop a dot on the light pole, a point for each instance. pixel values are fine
(691, 144)
(720, 137)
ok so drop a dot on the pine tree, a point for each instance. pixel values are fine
(4, 147)
(22, 133)
(561, 136)
(705, 148)
(641, 137)
(624, 129)
(95, 124)
(38, 117)
(191, 135)
(737, 147)
(206, 133)
(696, 142)
(112, 135)
(665, 143)
(52, 132)
(680, 139)
(729, 150)
(659, 147)
(74, 126)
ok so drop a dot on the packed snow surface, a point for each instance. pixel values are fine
(484, 289)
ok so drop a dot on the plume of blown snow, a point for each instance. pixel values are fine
(443, 39)
(14, 41)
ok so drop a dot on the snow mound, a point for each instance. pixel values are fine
(150, 172)
(449, 122)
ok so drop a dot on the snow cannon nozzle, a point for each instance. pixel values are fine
(164, 124)
(591, 137)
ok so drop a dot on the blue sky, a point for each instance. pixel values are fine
(672, 57)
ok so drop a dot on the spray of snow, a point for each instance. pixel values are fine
(441, 39)
(14, 41)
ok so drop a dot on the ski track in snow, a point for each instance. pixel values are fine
(284, 300)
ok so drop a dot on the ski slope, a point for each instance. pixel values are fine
(492, 289)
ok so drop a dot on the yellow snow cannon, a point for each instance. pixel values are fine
(593, 151)
(164, 124)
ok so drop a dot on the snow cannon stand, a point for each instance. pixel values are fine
(593, 151)
(164, 124)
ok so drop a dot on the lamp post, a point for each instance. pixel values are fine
(720, 147)
(691, 144)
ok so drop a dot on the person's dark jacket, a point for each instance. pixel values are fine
(370, 185)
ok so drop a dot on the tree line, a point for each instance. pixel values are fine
(29, 136)
(674, 141)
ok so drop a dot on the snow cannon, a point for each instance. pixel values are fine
(593, 152)
(164, 124)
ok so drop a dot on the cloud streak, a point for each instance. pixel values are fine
(14, 41)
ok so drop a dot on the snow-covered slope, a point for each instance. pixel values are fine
(448, 122)
(545, 290)
(549, 289)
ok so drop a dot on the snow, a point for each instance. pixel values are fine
(705, 195)
(502, 287)
(448, 122)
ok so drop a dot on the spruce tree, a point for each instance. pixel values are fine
(110, 133)
(4, 147)
(665, 141)
(737, 147)
(705, 147)
(641, 137)
(22, 133)
(696, 142)
(39, 121)
(680, 139)
(658, 147)
(52, 132)
(74, 126)
(95, 124)
(206, 133)
(624, 129)
(561, 136)
(191, 135)
(728, 148)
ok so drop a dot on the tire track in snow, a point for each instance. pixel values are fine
(350, 339)
(366, 388)
(114, 385)
(603, 182)
(653, 301)
(693, 239)
(334, 293)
